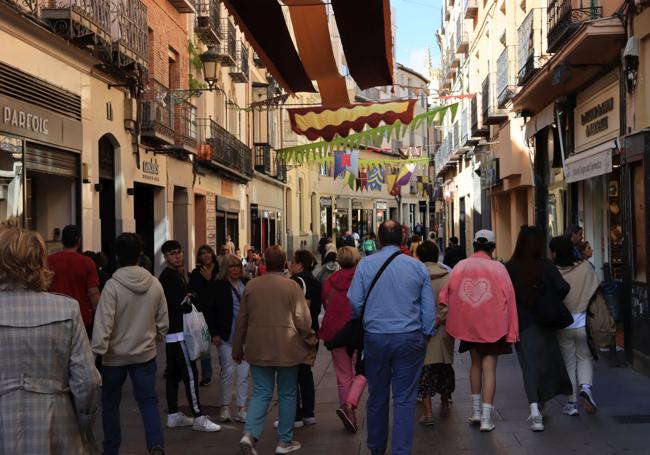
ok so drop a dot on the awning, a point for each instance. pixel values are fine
(590, 163)
(364, 27)
(593, 48)
(541, 120)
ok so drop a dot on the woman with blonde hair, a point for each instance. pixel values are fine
(347, 361)
(57, 392)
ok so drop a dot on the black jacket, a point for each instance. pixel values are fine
(312, 293)
(204, 289)
(219, 310)
(175, 285)
(453, 255)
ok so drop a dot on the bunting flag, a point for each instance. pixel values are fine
(339, 163)
(346, 161)
(390, 179)
(376, 178)
(317, 150)
(349, 180)
(354, 162)
(362, 181)
(402, 178)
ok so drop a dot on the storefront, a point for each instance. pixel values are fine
(226, 221)
(40, 165)
(149, 204)
(342, 215)
(362, 216)
(381, 214)
(326, 215)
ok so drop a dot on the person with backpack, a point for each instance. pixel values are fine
(575, 339)
(369, 245)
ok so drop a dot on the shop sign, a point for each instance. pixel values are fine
(490, 174)
(32, 122)
(152, 169)
(325, 202)
(597, 119)
(227, 205)
(382, 206)
(357, 204)
(590, 166)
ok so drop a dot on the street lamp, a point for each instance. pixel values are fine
(209, 59)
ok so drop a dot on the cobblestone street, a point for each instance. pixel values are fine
(622, 424)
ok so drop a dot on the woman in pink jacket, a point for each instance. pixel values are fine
(338, 312)
(483, 315)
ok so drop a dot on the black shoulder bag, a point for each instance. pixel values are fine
(351, 335)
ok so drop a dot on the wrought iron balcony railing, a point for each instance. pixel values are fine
(462, 37)
(257, 60)
(218, 145)
(564, 20)
(208, 21)
(186, 126)
(130, 33)
(471, 9)
(267, 162)
(506, 76)
(477, 127)
(228, 48)
(492, 114)
(531, 45)
(464, 128)
(157, 114)
(240, 71)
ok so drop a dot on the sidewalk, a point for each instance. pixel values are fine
(622, 424)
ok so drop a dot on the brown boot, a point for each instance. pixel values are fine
(346, 414)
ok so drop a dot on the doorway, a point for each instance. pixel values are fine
(143, 211)
(107, 199)
(462, 223)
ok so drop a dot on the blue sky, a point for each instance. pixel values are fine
(417, 21)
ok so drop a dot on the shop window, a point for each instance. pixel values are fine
(639, 217)
(11, 182)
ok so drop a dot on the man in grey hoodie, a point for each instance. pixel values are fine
(131, 317)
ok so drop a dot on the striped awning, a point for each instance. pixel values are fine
(364, 28)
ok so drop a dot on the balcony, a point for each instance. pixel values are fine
(186, 127)
(464, 128)
(227, 50)
(477, 128)
(157, 115)
(240, 71)
(130, 33)
(208, 21)
(220, 148)
(267, 162)
(85, 23)
(257, 60)
(492, 115)
(506, 76)
(471, 9)
(462, 37)
(531, 45)
(183, 6)
(564, 20)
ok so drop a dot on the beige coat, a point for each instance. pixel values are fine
(584, 283)
(441, 346)
(274, 324)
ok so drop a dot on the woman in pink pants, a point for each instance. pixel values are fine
(345, 360)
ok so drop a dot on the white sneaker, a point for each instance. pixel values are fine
(536, 422)
(246, 445)
(486, 423)
(296, 424)
(287, 447)
(309, 421)
(179, 420)
(241, 416)
(206, 425)
(475, 417)
(588, 400)
(224, 414)
(570, 409)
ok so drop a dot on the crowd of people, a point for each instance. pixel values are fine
(391, 320)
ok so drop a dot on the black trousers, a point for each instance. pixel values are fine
(181, 368)
(306, 393)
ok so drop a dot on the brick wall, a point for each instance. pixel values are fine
(168, 35)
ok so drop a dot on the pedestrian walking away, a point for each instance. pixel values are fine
(347, 361)
(540, 291)
(48, 401)
(330, 266)
(223, 314)
(202, 283)
(392, 294)
(574, 343)
(274, 335)
(482, 314)
(438, 376)
(454, 253)
(131, 317)
(75, 275)
(180, 367)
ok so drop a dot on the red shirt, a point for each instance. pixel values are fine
(74, 275)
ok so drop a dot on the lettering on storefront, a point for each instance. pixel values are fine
(151, 170)
(24, 120)
(596, 119)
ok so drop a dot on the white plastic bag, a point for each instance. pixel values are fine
(196, 334)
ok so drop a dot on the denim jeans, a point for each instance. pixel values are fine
(143, 378)
(394, 361)
(264, 379)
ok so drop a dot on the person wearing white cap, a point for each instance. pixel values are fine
(482, 314)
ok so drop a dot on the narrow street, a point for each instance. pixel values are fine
(621, 426)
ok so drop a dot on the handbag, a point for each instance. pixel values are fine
(352, 331)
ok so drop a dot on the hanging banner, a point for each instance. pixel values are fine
(376, 178)
(317, 150)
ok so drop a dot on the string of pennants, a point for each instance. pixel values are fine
(316, 151)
